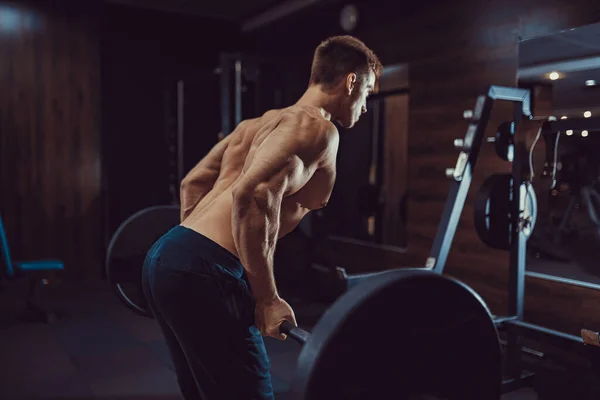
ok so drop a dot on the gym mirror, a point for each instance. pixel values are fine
(563, 71)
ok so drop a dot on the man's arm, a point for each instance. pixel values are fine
(279, 168)
(200, 180)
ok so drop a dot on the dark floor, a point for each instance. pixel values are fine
(101, 350)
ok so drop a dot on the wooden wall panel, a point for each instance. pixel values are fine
(454, 51)
(144, 54)
(82, 112)
(50, 131)
(395, 169)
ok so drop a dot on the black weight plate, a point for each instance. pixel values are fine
(400, 334)
(127, 250)
(492, 210)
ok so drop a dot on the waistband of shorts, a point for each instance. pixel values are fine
(204, 247)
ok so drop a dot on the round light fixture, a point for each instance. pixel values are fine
(349, 17)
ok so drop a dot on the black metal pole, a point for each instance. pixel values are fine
(180, 131)
(462, 173)
(516, 282)
(257, 91)
(566, 343)
(540, 333)
(225, 95)
(518, 239)
(238, 91)
(461, 181)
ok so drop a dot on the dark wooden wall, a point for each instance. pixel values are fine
(395, 170)
(144, 53)
(454, 51)
(82, 118)
(50, 155)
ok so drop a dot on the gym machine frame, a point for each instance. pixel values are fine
(513, 325)
(238, 64)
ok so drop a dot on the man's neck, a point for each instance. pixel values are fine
(315, 97)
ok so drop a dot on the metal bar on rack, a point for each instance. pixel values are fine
(462, 173)
(180, 130)
(238, 91)
(225, 95)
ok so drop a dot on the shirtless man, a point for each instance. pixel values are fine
(209, 281)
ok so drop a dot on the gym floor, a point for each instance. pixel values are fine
(101, 350)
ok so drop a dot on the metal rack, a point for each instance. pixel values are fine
(512, 327)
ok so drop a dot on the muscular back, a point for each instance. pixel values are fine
(309, 177)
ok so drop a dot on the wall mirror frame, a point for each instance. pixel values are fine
(563, 72)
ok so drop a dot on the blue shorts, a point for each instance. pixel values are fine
(198, 292)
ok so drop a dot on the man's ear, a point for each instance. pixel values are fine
(350, 83)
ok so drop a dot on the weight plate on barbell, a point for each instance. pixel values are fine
(127, 250)
(399, 334)
(492, 210)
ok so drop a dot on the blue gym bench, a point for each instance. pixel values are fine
(37, 271)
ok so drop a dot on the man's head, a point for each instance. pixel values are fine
(347, 70)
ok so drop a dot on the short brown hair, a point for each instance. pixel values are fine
(338, 56)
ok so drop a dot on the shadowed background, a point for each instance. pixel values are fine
(82, 132)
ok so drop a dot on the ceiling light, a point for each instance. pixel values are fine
(584, 133)
(554, 75)
(569, 132)
(587, 114)
(590, 82)
(563, 117)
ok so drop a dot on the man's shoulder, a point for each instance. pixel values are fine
(267, 115)
(311, 131)
(310, 119)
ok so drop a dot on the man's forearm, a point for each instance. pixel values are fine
(255, 231)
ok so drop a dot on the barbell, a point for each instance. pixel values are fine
(405, 334)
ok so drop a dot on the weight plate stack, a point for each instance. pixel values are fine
(492, 211)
